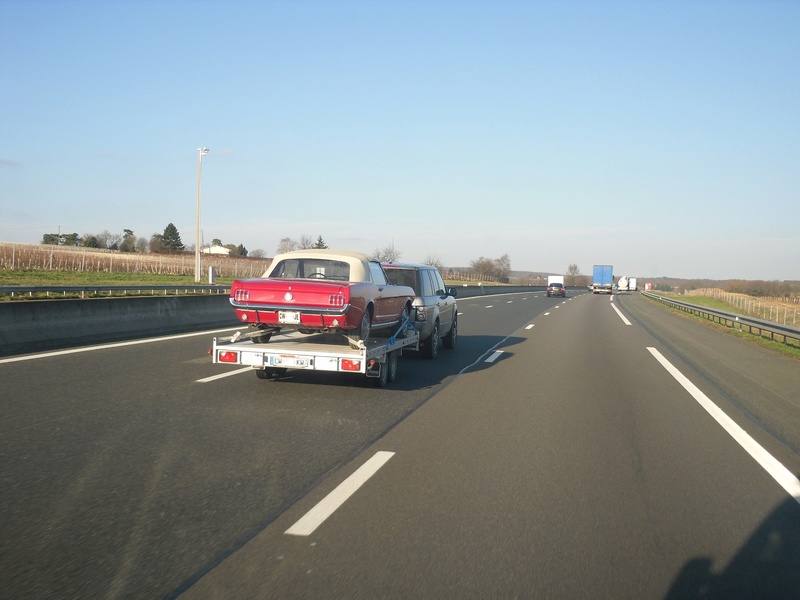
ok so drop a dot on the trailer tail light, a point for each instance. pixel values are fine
(228, 357)
(336, 300)
(241, 295)
(351, 365)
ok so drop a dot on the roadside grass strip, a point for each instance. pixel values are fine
(328, 505)
(769, 463)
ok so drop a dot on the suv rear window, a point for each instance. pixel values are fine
(404, 277)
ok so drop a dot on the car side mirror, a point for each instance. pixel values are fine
(452, 292)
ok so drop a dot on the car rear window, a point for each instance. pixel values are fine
(312, 268)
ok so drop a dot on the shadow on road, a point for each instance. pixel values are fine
(766, 566)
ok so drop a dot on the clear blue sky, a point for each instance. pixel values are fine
(660, 137)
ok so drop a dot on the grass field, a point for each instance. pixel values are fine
(716, 303)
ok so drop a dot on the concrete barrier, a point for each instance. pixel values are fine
(470, 291)
(37, 325)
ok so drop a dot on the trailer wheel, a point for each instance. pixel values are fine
(391, 366)
(382, 379)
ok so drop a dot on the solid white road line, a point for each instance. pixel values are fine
(223, 375)
(621, 316)
(769, 463)
(328, 505)
(107, 346)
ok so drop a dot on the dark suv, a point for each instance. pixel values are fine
(435, 309)
(556, 289)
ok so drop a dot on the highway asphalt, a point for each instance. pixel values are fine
(556, 452)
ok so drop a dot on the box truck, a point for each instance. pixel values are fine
(603, 279)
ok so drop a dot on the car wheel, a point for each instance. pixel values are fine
(404, 319)
(431, 348)
(449, 341)
(362, 333)
(262, 338)
(365, 328)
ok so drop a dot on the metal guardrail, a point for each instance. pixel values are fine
(54, 291)
(110, 290)
(788, 335)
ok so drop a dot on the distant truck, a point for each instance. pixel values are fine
(622, 284)
(632, 284)
(551, 279)
(603, 279)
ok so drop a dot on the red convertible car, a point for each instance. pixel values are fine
(321, 291)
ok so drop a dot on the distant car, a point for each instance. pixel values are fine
(556, 289)
(434, 310)
(321, 291)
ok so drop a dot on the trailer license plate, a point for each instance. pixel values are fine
(291, 361)
(289, 317)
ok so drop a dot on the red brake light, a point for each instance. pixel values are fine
(336, 300)
(227, 357)
(351, 365)
(242, 295)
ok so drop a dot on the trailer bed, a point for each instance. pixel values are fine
(318, 352)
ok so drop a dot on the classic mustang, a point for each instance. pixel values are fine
(321, 291)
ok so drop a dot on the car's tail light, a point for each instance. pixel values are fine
(242, 295)
(336, 300)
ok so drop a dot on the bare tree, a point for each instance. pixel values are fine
(483, 268)
(306, 242)
(286, 245)
(573, 272)
(503, 265)
(389, 254)
(434, 261)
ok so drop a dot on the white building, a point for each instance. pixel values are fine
(217, 250)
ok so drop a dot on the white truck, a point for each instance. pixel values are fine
(332, 352)
(632, 284)
(551, 279)
(622, 284)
